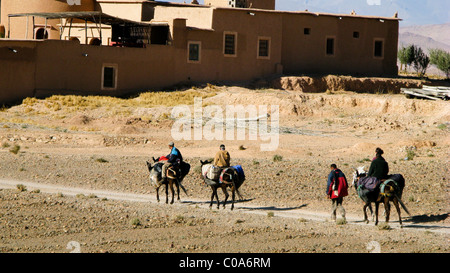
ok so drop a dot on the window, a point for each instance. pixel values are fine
(159, 35)
(330, 46)
(378, 49)
(229, 47)
(109, 77)
(194, 49)
(263, 48)
(356, 34)
(41, 33)
(307, 31)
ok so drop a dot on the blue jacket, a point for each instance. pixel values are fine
(175, 155)
(333, 177)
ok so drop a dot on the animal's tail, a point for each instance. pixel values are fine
(182, 187)
(237, 188)
(237, 191)
(391, 188)
(402, 204)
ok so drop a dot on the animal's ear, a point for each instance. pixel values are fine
(154, 159)
(149, 165)
(202, 162)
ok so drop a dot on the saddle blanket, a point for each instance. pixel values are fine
(370, 183)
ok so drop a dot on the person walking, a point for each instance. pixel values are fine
(337, 189)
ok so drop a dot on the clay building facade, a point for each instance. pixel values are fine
(126, 46)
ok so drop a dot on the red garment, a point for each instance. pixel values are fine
(342, 186)
(163, 158)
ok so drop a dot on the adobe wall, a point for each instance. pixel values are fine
(196, 16)
(246, 65)
(41, 68)
(17, 70)
(130, 11)
(307, 53)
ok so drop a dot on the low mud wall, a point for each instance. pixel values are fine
(335, 83)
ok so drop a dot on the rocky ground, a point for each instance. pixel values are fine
(105, 146)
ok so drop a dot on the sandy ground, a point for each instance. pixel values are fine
(87, 181)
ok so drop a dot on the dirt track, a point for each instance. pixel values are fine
(92, 150)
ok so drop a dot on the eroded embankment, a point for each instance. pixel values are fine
(331, 82)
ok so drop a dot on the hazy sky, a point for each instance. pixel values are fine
(413, 12)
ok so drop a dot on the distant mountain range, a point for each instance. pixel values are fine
(426, 36)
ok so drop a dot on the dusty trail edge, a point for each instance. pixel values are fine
(239, 206)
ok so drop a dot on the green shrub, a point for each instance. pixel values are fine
(441, 59)
(21, 187)
(15, 150)
(277, 158)
(135, 222)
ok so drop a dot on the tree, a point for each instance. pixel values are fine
(421, 61)
(406, 56)
(441, 59)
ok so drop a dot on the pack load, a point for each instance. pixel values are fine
(211, 172)
(370, 183)
(240, 172)
(369, 187)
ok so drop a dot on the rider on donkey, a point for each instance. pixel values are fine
(174, 158)
(379, 168)
(222, 158)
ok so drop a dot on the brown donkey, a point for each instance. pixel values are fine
(229, 179)
(174, 177)
(387, 191)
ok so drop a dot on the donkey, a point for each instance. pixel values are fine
(173, 178)
(387, 191)
(229, 179)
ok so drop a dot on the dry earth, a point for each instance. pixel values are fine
(100, 150)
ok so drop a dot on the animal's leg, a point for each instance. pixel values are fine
(157, 194)
(225, 192)
(387, 208)
(398, 211)
(233, 195)
(371, 212)
(217, 199)
(365, 212)
(167, 193)
(377, 204)
(178, 191)
(173, 193)
(214, 192)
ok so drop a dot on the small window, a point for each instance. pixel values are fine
(356, 34)
(194, 50)
(230, 44)
(330, 46)
(307, 31)
(159, 35)
(264, 48)
(378, 49)
(41, 33)
(109, 77)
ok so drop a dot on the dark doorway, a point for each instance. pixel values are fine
(159, 35)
